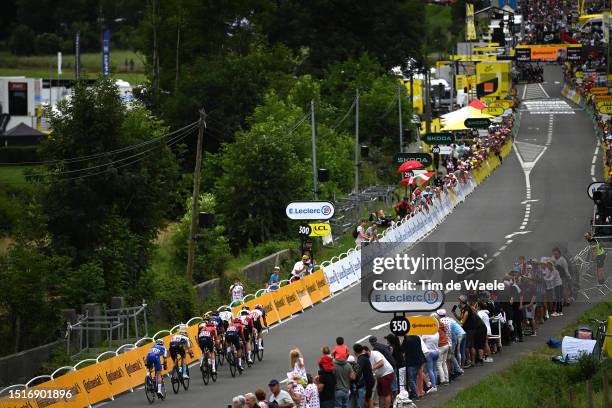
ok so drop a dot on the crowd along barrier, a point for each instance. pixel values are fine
(108, 378)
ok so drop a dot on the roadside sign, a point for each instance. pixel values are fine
(319, 230)
(501, 103)
(438, 138)
(407, 174)
(523, 54)
(413, 325)
(304, 230)
(435, 149)
(477, 123)
(605, 109)
(408, 301)
(310, 210)
(445, 150)
(600, 90)
(423, 158)
(493, 111)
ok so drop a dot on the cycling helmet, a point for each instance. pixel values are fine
(245, 307)
(215, 313)
(244, 312)
(258, 306)
(159, 342)
(225, 309)
(210, 323)
(201, 325)
(182, 327)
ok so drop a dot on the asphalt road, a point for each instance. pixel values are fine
(496, 210)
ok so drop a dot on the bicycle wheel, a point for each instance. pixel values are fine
(260, 351)
(185, 380)
(163, 387)
(204, 370)
(213, 374)
(231, 362)
(175, 379)
(220, 357)
(149, 389)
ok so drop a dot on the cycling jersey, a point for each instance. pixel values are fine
(256, 314)
(179, 340)
(154, 357)
(206, 338)
(234, 334)
(217, 321)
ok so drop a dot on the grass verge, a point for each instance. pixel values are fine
(535, 381)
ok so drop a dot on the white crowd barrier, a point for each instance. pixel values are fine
(345, 270)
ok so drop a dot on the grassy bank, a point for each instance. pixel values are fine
(535, 381)
(12, 174)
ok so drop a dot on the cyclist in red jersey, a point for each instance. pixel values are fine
(235, 335)
(207, 337)
(247, 322)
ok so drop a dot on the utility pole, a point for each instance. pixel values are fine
(452, 84)
(196, 195)
(357, 163)
(313, 127)
(426, 102)
(399, 113)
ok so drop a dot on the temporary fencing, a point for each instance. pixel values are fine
(116, 372)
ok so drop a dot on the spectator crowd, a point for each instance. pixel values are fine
(398, 371)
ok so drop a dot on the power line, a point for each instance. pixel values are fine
(169, 143)
(389, 107)
(345, 115)
(78, 159)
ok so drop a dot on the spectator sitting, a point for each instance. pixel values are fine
(372, 232)
(308, 251)
(402, 209)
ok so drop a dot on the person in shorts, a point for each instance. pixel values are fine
(384, 378)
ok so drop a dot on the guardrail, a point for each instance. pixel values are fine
(92, 381)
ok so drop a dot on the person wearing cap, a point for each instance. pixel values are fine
(275, 276)
(281, 397)
(300, 269)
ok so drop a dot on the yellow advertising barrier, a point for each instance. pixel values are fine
(605, 109)
(302, 294)
(322, 285)
(280, 303)
(96, 387)
(544, 53)
(600, 90)
(310, 283)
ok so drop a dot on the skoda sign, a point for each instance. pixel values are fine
(310, 210)
(439, 138)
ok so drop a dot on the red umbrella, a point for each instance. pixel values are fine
(478, 104)
(409, 166)
(406, 181)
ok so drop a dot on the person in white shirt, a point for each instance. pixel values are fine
(484, 316)
(236, 290)
(361, 232)
(300, 269)
(384, 377)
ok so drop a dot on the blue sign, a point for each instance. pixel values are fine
(106, 53)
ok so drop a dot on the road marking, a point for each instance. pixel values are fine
(363, 339)
(517, 233)
(503, 247)
(488, 261)
(509, 241)
(496, 254)
(524, 92)
(593, 178)
(543, 90)
(380, 326)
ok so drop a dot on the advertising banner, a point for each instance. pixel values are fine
(106, 53)
(470, 27)
(493, 79)
(417, 99)
(302, 294)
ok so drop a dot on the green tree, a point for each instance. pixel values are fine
(106, 206)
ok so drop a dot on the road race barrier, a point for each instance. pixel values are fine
(123, 370)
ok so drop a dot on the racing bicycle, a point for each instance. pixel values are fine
(232, 361)
(151, 386)
(206, 369)
(255, 349)
(177, 378)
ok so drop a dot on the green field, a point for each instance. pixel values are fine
(45, 66)
(12, 174)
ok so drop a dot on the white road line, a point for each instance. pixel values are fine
(524, 91)
(363, 339)
(496, 254)
(509, 241)
(503, 247)
(488, 261)
(529, 201)
(522, 227)
(379, 326)
(517, 233)
(543, 90)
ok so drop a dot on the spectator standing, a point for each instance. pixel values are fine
(300, 269)
(296, 391)
(251, 400)
(363, 360)
(360, 232)
(372, 232)
(400, 363)
(384, 378)
(239, 402)
(414, 360)
(383, 349)
(281, 397)
(431, 343)
(236, 291)
(326, 382)
(444, 353)
(344, 375)
(296, 364)
(311, 393)
(261, 398)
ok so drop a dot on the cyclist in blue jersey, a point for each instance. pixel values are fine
(154, 357)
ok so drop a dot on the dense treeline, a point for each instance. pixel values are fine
(254, 66)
